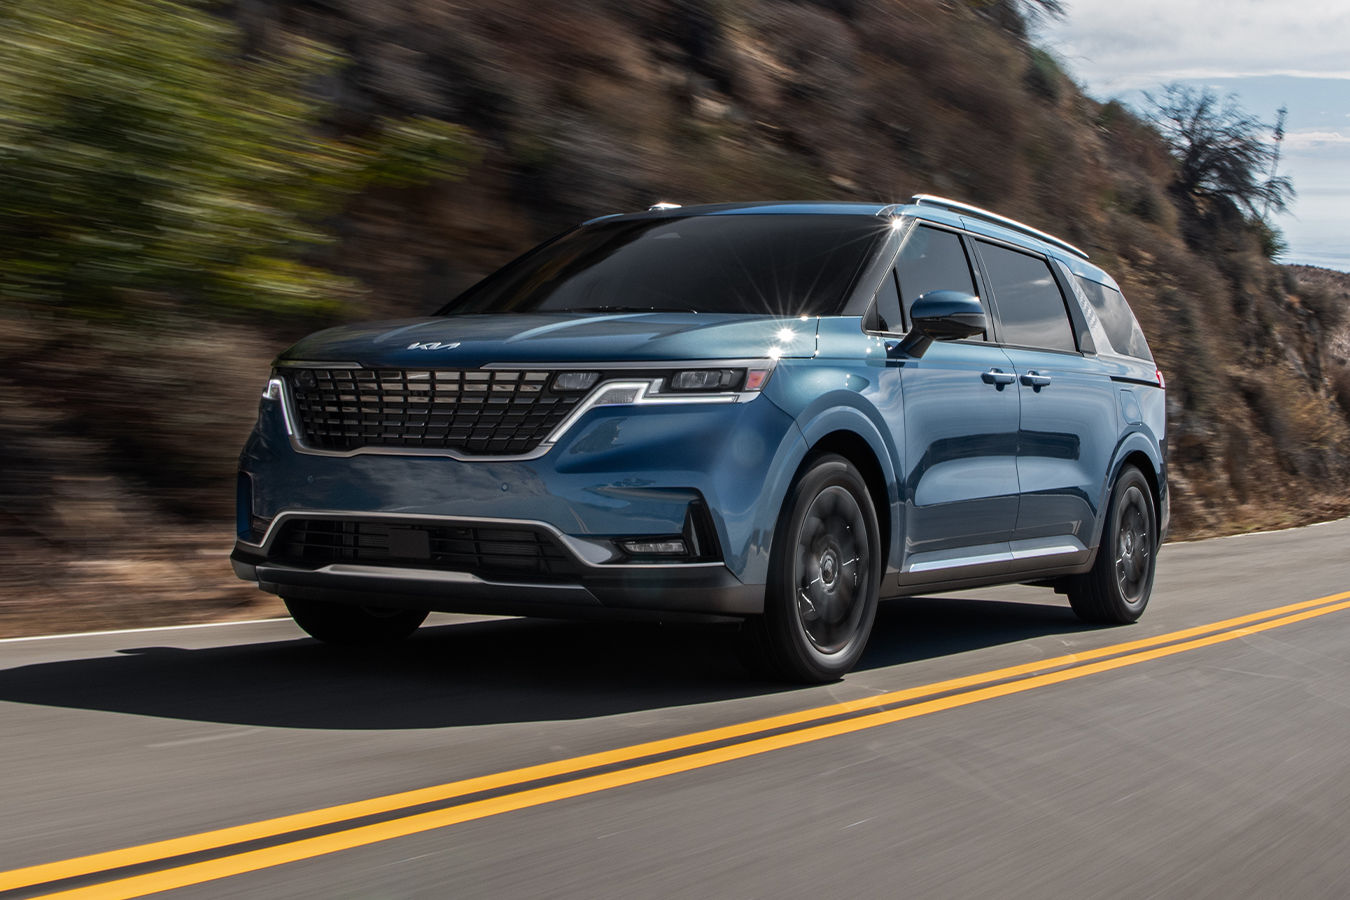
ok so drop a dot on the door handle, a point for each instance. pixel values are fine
(1035, 379)
(998, 377)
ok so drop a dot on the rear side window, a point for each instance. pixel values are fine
(932, 260)
(1122, 330)
(1031, 309)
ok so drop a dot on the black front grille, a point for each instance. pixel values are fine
(493, 551)
(488, 413)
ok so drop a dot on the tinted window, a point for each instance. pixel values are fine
(888, 305)
(1031, 309)
(762, 264)
(1117, 320)
(932, 260)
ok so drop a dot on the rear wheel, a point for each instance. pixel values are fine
(353, 626)
(824, 576)
(1117, 588)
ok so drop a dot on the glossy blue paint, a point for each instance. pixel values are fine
(970, 462)
(1067, 430)
(626, 471)
(474, 341)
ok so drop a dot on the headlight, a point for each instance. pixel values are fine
(707, 380)
(716, 381)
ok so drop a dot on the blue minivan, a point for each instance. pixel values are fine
(778, 413)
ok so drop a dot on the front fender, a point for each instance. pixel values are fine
(821, 411)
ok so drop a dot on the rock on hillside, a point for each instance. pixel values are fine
(1329, 293)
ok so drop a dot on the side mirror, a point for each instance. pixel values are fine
(942, 316)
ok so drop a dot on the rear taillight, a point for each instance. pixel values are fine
(1162, 383)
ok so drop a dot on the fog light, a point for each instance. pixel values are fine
(656, 547)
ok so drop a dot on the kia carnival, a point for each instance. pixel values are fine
(779, 413)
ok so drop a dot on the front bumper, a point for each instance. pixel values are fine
(621, 473)
(503, 566)
(700, 589)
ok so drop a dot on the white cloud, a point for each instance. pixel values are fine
(1120, 46)
(1315, 140)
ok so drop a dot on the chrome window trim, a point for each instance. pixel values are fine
(980, 212)
(572, 545)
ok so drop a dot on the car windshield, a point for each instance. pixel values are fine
(781, 264)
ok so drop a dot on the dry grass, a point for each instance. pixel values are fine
(181, 578)
(117, 472)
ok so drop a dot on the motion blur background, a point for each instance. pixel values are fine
(186, 188)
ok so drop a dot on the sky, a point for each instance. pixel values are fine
(1268, 55)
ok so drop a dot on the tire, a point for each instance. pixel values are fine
(1117, 588)
(824, 576)
(353, 626)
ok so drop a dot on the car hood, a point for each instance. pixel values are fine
(473, 341)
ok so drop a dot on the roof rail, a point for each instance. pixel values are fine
(663, 205)
(957, 206)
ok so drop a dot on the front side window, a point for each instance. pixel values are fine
(1031, 308)
(778, 264)
(932, 260)
(888, 316)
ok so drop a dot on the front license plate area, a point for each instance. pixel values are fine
(410, 543)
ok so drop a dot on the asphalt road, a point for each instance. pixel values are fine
(989, 745)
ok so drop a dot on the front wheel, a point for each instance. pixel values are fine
(353, 626)
(824, 576)
(1116, 589)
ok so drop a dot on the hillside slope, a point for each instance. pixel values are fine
(600, 107)
(581, 109)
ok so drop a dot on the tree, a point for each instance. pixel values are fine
(1221, 151)
(1015, 16)
(143, 155)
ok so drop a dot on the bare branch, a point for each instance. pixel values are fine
(1221, 151)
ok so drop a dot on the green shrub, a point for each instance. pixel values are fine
(1043, 76)
(142, 155)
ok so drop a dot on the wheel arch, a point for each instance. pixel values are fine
(1135, 451)
(851, 433)
(852, 447)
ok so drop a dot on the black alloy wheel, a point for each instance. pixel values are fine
(1118, 587)
(824, 576)
(830, 569)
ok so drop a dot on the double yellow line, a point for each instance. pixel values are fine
(522, 788)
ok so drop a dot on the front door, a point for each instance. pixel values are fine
(961, 488)
(959, 424)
